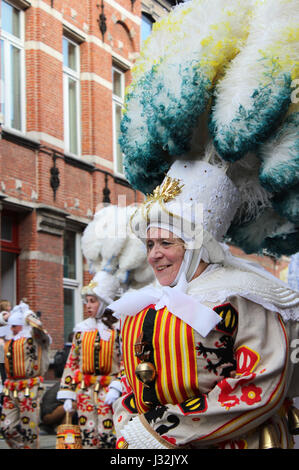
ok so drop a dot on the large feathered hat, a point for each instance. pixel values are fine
(216, 82)
(111, 249)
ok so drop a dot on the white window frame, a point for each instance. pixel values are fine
(117, 101)
(76, 284)
(69, 73)
(11, 40)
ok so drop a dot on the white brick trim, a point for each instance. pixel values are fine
(99, 160)
(41, 46)
(41, 256)
(96, 78)
(46, 138)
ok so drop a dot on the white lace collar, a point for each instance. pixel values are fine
(91, 324)
(221, 282)
(24, 333)
(216, 284)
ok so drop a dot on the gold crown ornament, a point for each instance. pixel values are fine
(164, 193)
(89, 287)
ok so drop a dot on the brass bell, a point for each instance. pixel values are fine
(268, 437)
(83, 385)
(95, 392)
(6, 392)
(27, 392)
(293, 419)
(145, 372)
(15, 394)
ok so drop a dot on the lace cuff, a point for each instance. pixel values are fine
(139, 435)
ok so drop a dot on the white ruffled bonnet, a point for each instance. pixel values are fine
(103, 285)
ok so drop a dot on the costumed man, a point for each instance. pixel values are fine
(207, 348)
(26, 362)
(92, 375)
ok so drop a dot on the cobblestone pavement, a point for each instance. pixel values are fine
(47, 441)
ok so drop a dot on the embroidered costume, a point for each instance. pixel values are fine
(210, 136)
(26, 362)
(91, 376)
(216, 391)
(92, 367)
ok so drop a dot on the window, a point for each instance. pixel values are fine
(9, 256)
(72, 281)
(118, 92)
(71, 96)
(12, 67)
(146, 26)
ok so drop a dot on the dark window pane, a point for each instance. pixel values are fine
(8, 276)
(69, 270)
(69, 312)
(6, 228)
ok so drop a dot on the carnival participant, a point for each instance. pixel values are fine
(205, 349)
(208, 348)
(90, 380)
(26, 362)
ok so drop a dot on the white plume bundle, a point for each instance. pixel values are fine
(223, 71)
(109, 245)
(255, 91)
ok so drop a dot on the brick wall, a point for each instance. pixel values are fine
(26, 158)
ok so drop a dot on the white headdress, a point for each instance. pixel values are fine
(220, 78)
(103, 285)
(116, 257)
(17, 317)
(212, 98)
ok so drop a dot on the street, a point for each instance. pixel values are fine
(47, 441)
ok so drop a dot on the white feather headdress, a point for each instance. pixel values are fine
(220, 77)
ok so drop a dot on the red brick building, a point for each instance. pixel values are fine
(64, 68)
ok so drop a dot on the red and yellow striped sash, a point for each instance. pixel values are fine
(18, 359)
(131, 330)
(88, 341)
(174, 357)
(105, 353)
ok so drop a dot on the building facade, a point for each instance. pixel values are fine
(64, 68)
